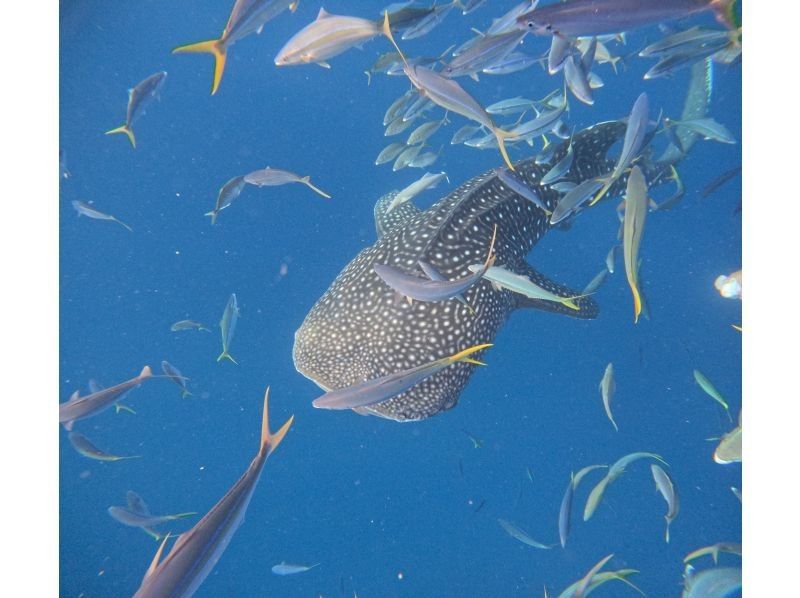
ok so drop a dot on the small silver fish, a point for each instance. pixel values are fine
(86, 448)
(227, 194)
(515, 105)
(667, 489)
(406, 157)
(85, 209)
(228, 326)
(390, 152)
(271, 177)
(284, 568)
(595, 283)
(175, 375)
(521, 535)
(512, 63)
(608, 387)
(187, 325)
(427, 181)
(424, 131)
(464, 133)
(138, 97)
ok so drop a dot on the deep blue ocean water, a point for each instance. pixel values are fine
(383, 507)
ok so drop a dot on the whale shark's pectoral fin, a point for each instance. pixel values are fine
(587, 307)
(386, 220)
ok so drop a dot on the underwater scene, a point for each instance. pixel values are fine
(419, 299)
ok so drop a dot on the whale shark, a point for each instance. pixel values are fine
(360, 329)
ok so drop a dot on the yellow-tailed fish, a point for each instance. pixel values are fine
(635, 134)
(633, 227)
(666, 487)
(228, 326)
(227, 194)
(175, 375)
(138, 97)
(247, 16)
(196, 552)
(78, 407)
(517, 283)
(709, 389)
(385, 387)
(430, 289)
(271, 177)
(521, 535)
(608, 387)
(86, 448)
(449, 95)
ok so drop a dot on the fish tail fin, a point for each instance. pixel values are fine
(121, 223)
(127, 130)
(306, 180)
(213, 215)
(226, 355)
(501, 137)
(270, 441)
(666, 534)
(637, 302)
(217, 48)
(119, 407)
(185, 393)
(464, 355)
(369, 77)
(386, 29)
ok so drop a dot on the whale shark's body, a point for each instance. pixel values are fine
(360, 329)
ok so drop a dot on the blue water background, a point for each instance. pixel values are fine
(367, 498)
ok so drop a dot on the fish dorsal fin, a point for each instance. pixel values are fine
(154, 565)
(74, 396)
(587, 307)
(386, 221)
(323, 14)
(146, 372)
(136, 504)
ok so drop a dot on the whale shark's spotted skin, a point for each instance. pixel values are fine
(360, 329)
